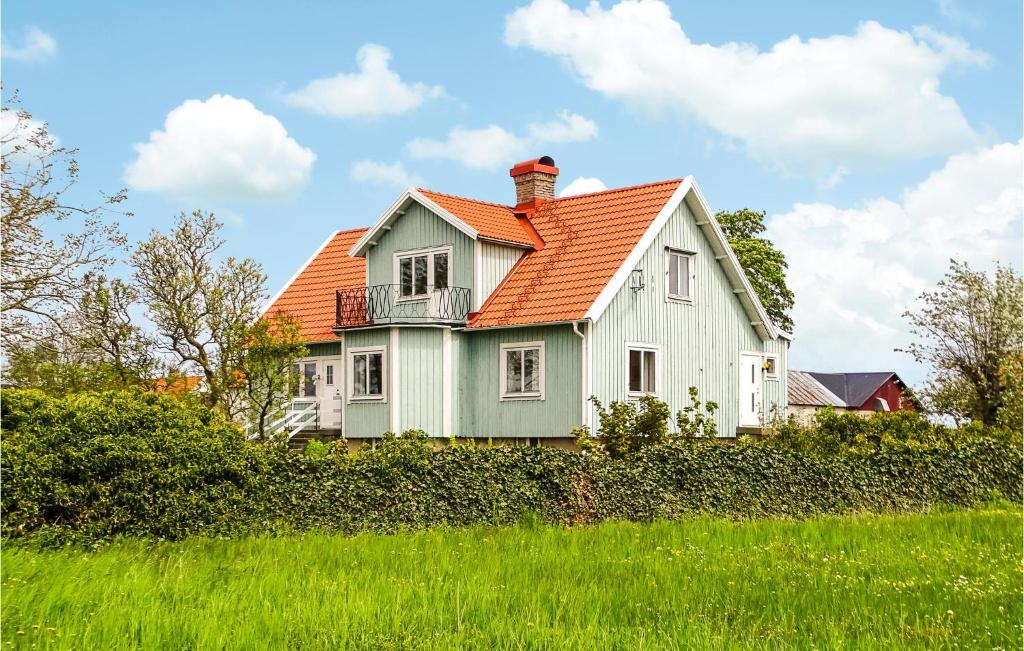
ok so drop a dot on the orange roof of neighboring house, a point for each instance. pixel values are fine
(586, 239)
(493, 221)
(310, 296)
(181, 384)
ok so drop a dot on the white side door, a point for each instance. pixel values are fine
(750, 390)
(331, 391)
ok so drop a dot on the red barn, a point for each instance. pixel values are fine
(807, 392)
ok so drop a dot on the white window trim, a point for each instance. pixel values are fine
(658, 387)
(503, 368)
(350, 381)
(692, 255)
(768, 375)
(411, 253)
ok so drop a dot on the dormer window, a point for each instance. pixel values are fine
(423, 271)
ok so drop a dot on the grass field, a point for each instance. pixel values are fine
(924, 581)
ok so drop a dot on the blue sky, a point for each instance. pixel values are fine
(832, 117)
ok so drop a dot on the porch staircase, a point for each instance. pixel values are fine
(291, 422)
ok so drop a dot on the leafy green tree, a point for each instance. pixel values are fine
(971, 334)
(273, 346)
(764, 265)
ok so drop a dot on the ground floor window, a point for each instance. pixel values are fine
(367, 378)
(304, 385)
(522, 371)
(642, 369)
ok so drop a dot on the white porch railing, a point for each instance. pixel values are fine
(293, 421)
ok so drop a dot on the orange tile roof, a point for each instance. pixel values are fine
(179, 385)
(586, 239)
(493, 221)
(310, 296)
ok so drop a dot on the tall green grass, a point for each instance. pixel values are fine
(924, 581)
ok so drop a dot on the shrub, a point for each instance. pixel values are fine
(136, 463)
(693, 422)
(94, 466)
(628, 427)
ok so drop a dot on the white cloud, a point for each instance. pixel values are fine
(583, 185)
(223, 147)
(804, 106)
(952, 10)
(855, 270)
(494, 146)
(374, 91)
(35, 45)
(394, 174)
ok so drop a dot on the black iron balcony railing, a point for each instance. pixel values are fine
(386, 304)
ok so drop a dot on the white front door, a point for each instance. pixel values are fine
(750, 390)
(330, 391)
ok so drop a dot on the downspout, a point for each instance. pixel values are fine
(585, 370)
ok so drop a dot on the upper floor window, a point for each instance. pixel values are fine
(681, 274)
(420, 272)
(522, 371)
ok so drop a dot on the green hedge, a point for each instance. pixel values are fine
(95, 466)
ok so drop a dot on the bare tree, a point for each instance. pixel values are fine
(202, 310)
(971, 332)
(42, 275)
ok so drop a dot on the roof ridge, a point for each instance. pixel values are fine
(575, 196)
(352, 230)
(456, 196)
(622, 189)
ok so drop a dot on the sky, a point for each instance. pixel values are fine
(880, 138)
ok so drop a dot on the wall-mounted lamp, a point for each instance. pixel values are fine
(636, 280)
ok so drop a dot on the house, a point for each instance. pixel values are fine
(863, 393)
(481, 320)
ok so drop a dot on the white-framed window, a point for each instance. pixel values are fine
(522, 371)
(421, 271)
(642, 373)
(306, 377)
(329, 375)
(681, 274)
(368, 375)
(771, 367)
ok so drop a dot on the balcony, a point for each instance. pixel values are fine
(385, 304)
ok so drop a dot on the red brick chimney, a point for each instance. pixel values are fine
(534, 179)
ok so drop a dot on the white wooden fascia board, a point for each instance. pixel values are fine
(443, 214)
(508, 243)
(732, 263)
(410, 194)
(604, 299)
(298, 273)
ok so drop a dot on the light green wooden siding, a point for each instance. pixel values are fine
(775, 390)
(366, 419)
(419, 228)
(700, 342)
(481, 411)
(420, 379)
(324, 350)
(495, 262)
(459, 340)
